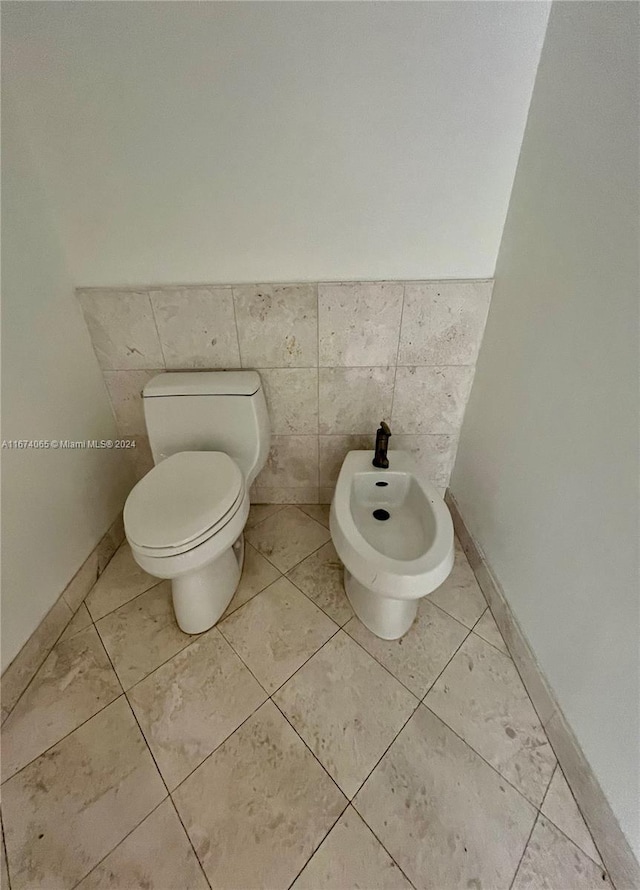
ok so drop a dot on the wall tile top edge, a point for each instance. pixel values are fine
(177, 285)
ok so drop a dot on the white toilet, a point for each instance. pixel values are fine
(394, 535)
(209, 434)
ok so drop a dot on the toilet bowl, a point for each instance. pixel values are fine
(394, 535)
(184, 521)
(209, 435)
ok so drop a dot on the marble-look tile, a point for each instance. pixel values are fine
(319, 512)
(552, 862)
(359, 324)
(77, 589)
(142, 634)
(140, 457)
(257, 573)
(109, 543)
(65, 811)
(325, 494)
(292, 400)
(156, 855)
(197, 327)
(191, 704)
(292, 463)
(434, 455)
(74, 683)
(276, 632)
(320, 576)
(347, 709)
(120, 582)
(125, 392)
(332, 451)
(488, 630)
(443, 322)
(354, 400)
(259, 806)
(287, 537)
(445, 816)
(351, 856)
(460, 594)
(430, 400)
(287, 496)
(79, 621)
(22, 669)
(481, 697)
(419, 656)
(258, 512)
(277, 325)
(122, 328)
(560, 808)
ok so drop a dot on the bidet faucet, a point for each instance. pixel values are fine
(381, 461)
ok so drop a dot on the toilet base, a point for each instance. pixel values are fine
(201, 597)
(385, 617)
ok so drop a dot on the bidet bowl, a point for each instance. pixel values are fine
(394, 534)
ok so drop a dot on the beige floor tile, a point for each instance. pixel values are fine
(187, 707)
(481, 697)
(259, 512)
(351, 857)
(319, 512)
(417, 658)
(488, 630)
(120, 582)
(347, 709)
(259, 806)
(142, 634)
(65, 811)
(257, 573)
(287, 537)
(157, 855)
(560, 808)
(320, 576)
(445, 816)
(79, 621)
(552, 862)
(74, 683)
(460, 594)
(276, 632)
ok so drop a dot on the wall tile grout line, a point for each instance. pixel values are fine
(395, 367)
(155, 322)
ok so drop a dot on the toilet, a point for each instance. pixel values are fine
(209, 434)
(394, 535)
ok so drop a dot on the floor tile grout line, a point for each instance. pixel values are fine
(395, 367)
(128, 834)
(484, 759)
(524, 850)
(449, 615)
(191, 844)
(6, 854)
(157, 583)
(393, 859)
(377, 660)
(324, 838)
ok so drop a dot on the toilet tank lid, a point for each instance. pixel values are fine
(203, 383)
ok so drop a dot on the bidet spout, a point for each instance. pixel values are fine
(380, 460)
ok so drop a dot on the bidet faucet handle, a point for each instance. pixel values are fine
(385, 429)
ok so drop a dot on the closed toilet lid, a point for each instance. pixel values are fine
(181, 498)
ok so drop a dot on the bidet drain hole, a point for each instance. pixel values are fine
(381, 484)
(381, 515)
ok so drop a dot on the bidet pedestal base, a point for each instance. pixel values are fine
(201, 597)
(387, 618)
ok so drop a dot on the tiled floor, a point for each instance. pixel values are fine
(286, 747)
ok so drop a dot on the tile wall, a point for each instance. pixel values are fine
(335, 359)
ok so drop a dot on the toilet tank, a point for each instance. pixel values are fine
(209, 411)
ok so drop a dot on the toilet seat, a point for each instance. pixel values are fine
(183, 501)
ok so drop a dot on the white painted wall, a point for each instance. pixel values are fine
(55, 504)
(547, 469)
(222, 142)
